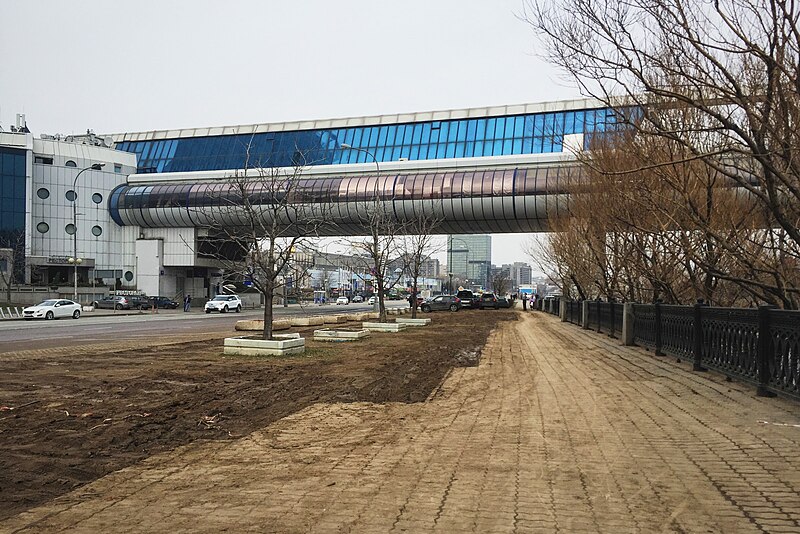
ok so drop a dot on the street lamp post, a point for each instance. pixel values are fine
(75, 260)
(450, 274)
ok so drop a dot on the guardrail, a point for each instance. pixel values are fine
(756, 345)
(8, 314)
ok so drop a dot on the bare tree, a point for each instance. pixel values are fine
(12, 253)
(500, 283)
(419, 245)
(379, 248)
(256, 221)
(717, 83)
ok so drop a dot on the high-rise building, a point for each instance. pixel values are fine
(469, 258)
(520, 273)
(430, 268)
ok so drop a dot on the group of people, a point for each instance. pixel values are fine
(525, 300)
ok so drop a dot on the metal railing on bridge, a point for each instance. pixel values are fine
(756, 345)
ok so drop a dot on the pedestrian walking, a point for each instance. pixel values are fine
(187, 302)
(524, 302)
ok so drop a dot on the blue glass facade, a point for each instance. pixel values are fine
(489, 136)
(12, 203)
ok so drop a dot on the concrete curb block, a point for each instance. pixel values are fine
(308, 321)
(257, 325)
(334, 319)
(284, 345)
(384, 327)
(413, 322)
(328, 334)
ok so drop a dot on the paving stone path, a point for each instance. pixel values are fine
(557, 430)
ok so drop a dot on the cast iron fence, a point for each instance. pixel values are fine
(574, 312)
(761, 346)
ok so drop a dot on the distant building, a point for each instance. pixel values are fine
(469, 258)
(431, 268)
(520, 273)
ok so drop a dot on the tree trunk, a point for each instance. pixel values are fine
(268, 296)
(414, 300)
(381, 304)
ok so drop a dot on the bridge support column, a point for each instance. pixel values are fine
(585, 315)
(627, 324)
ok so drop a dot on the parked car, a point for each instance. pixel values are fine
(442, 302)
(342, 300)
(165, 303)
(468, 298)
(140, 302)
(488, 300)
(224, 303)
(420, 300)
(372, 300)
(113, 302)
(358, 298)
(503, 302)
(52, 309)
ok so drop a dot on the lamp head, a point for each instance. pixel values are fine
(345, 146)
(97, 166)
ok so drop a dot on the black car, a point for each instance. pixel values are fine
(503, 302)
(442, 302)
(139, 302)
(468, 298)
(488, 300)
(165, 303)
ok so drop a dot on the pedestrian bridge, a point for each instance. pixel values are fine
(519, 195)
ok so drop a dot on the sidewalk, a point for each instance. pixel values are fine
(557, 429)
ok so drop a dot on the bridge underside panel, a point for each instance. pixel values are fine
(501, 201)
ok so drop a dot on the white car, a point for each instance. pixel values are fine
(52, 309)
(372, 300)
(342, 300)
(224, 304)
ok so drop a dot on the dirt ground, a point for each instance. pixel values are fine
(78, 416)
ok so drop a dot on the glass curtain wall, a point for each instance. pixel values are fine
(12, 206)
(492, 136)
(469, 258)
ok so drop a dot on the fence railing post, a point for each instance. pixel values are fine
(562, 309)
(764, 355)
(658, 351)
(697, 365)
(628, 319)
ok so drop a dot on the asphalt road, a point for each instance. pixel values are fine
(125, 326)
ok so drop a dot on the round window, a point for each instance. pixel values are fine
(96, 230)
(97, 198)
(43, 227)
(70, 228)
(71, 195)
(128, 276)
(70, 163)
(43, 193)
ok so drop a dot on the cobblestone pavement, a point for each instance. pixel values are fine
(557, 430)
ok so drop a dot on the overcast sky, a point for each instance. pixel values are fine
(147, 65)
